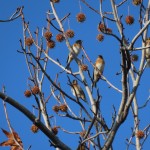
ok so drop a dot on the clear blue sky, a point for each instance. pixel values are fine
(14, 72)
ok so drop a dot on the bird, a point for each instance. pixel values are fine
(77, 90)
(147, 53)
(76, 48)
(98, 69)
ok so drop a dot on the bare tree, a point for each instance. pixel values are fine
(83, 79)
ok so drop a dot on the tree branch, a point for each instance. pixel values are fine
(38, 123)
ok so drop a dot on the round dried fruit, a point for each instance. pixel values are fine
(84, 67)
(60, 37)
(55, 130)
(51, 44)
(63, 107)
(100, 37)
(48, 35)
(56, 108)
(81, 17)
(140, 134)
(28, 41)
(34, 128)
(27, 93)
(70, 33)
(82, 134)
(137, 2)
(101, 27)
(55, 1)
(108, 30)
(35, 90)
(129, 20)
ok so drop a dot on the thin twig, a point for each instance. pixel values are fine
(90, 7)
(10, 127)
(14, 16)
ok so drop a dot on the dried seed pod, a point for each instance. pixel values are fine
(129, 20)
(70, 33)
(35, 90)
(100, 37)
(101, 27)
(56, 108)
(34, 128)
(28, 41)
(82, 134)
(48, 35)
(108, 30)
(140, 134)
(63, 108)
(51, 44)
(55, 1)
(137, 2)
(81, 17)
(55, 130)
(60, 37)
(84, 67)
(134, 57)
(27, 93)
(82, 147)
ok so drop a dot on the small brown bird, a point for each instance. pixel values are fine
(147, 53)
(77, 90)
(76, 48)
(98, 69)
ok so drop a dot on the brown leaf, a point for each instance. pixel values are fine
(7, 143)
(12, 138)
(9, 135)
(15, 148)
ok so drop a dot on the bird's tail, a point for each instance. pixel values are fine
(148, 63)
(67, 66)
(94, 84)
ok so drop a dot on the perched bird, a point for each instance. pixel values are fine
(147, 53)
(98, 69)
(76, 48)
(77, 90)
